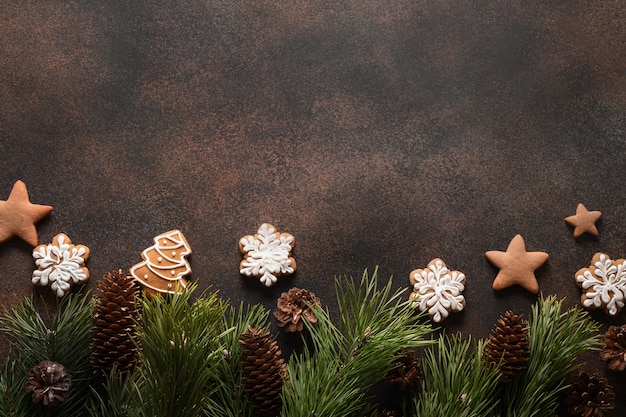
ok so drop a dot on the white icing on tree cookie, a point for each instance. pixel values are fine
(603, 284)
(437, 290)
(267, 254)
(60, 264)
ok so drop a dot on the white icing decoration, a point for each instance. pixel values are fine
(438, 291)
(59, 266)
(607, 284)
(267, 254)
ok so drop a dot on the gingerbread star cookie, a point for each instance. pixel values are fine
(516, 266)
(584, 221)
(18, 216)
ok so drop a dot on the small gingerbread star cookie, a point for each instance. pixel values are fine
(267, 254)
(584, 221)
(516, 266)
(437, 290)
(18, 216)
(60, 264)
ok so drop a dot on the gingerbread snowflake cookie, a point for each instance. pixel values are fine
(60, 264)
(437, 290)
(603, 284)
(267, 255)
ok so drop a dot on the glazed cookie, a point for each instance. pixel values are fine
(267, 255)
(164, 264)
(60, 264)
(603, 284)
(437, 290)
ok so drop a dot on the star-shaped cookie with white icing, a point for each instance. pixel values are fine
(517, 267)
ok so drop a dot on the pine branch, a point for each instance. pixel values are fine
(180, 351)
(456, 384)
(229, 399)
(338, 366)
(557, 339)
(65, 341)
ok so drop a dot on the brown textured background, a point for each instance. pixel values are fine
(377, 134)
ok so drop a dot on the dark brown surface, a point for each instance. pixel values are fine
(376, 134)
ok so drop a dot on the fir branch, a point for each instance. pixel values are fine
(456, 384)
(66, 341)
(180, 350)
(338, 366)
(229, 399)
(557, 339)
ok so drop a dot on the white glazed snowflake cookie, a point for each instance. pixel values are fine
(603, 284)
(267, 254)
(437, 290)
(60, 264)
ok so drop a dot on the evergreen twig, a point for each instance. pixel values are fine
(557, 339)
(229, 399)
(180, 351)
(65, 341)
(456, 384)
(336, 369)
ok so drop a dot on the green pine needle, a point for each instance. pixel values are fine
(65, 341)
(557, 339)
(180, 351)
(333, 374)
(456, 384)
(229, 399)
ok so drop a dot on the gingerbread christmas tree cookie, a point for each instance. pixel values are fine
(267, 254)
(18, 216)
(584, 221)
(437, 290)
(517, 267)
(60, 264)
(164, 264)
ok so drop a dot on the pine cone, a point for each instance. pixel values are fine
(48, 382)
(294, 305)
(508, 345)
(263, 371)
(590, 396)
(114, 337)
(614, 347)
(405, 371)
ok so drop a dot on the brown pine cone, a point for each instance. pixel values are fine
(405, 371)
(263, 371)
(590, 396)
(114, 337)
(293, 306)
(508, 345)
(614, 347)
(48, 382)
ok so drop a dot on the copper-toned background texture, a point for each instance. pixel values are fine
(377, 133)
